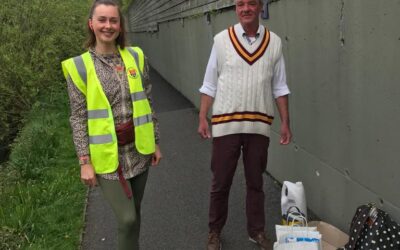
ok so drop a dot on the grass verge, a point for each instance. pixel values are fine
(41, 197)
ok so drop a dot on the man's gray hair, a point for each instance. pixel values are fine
(261, 1)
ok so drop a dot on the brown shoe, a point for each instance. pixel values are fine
(262, 241)
(214, 241)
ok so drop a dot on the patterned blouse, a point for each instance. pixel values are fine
(111, 73)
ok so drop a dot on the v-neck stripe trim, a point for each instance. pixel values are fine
(250, 58)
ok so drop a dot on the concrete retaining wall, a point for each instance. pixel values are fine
(342, 60)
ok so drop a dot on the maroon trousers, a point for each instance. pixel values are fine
(225, 154)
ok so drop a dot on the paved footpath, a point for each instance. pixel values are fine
(175, 204)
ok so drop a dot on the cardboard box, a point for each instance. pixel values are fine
(332, 237)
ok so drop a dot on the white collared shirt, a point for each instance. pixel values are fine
(250, 39)
(279, 84)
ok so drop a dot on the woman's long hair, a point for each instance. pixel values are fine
(91, 38)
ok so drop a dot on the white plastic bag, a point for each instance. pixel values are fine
(293, 195)
(297, 246)
(297, 237)
(285, 231)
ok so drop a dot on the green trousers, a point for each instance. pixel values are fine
(127, 211)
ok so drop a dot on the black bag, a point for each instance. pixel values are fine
(372, 229)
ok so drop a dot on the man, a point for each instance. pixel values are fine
(245, 72)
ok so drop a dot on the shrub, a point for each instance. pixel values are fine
(35, 36)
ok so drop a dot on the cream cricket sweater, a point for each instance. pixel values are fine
(244, 101)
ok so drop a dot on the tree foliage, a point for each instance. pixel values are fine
(35, 36)
(125, 4)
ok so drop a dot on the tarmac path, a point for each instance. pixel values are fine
(175, 204)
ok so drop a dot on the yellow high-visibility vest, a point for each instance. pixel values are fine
(103, 144)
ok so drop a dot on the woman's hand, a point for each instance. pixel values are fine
(88, 176)
(156, 156)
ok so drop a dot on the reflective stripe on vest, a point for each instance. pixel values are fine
(138, 96)
(96, 114)
(81, 68)
(142, 120)
(100, 139)
(102, 136)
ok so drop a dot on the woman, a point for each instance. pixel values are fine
(114, 128)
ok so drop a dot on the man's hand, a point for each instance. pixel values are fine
(203, 129)
(156, 158)
(205, 104)
(88, 176)
(282, 103)
(286, 134)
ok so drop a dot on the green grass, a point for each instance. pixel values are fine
(41, 197)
